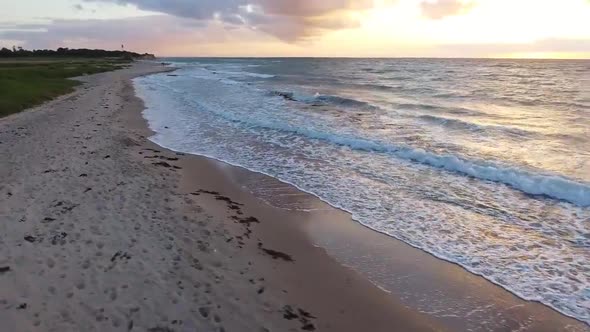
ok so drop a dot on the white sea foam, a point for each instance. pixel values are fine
(527, 181)
(244, 73)
(461, 208)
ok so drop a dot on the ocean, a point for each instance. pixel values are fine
(484, 163)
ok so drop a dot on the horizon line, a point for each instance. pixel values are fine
(361, 57)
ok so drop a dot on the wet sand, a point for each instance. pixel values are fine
(456, 299)
(101, 230)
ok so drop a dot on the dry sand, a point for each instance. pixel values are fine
(101, 230)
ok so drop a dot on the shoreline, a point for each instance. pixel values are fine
(538, 307)
(313, 279)
(128, 235)
(220, 164)
(541, 317)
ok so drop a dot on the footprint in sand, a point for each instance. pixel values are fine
(80, 285)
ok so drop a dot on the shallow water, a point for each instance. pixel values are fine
(485, 163)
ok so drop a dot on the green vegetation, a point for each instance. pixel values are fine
(64, 52)
(27, 82)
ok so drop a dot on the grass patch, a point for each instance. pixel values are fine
(24, 84)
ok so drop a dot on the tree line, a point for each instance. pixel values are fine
(17, 52)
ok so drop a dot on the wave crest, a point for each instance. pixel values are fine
(322, 100)
(529, 182)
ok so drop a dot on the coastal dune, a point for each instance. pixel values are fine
(102, 230)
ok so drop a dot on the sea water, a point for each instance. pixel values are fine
(484, 163)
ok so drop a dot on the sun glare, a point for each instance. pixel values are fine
(484, 25)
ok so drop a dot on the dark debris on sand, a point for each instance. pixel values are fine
(303, 316)
(166, 165)
(59, 238)
(30, 238)
(120, 255)
(160, 329)
(277, 254)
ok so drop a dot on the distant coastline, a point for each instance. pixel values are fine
(64, 52)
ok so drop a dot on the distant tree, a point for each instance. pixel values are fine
(66, 52)
(4, 52)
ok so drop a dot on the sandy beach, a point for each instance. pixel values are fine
(102, 230)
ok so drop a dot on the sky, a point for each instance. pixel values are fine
(331, 28)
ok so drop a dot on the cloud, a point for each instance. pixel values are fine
(195, 9)
(439, 9)
(286, 19)
(563, 45)
(140, 33)
(191, 22)
(312, 8)
(549, 45)
(163, 35)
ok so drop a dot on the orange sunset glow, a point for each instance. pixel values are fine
(339, 28)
